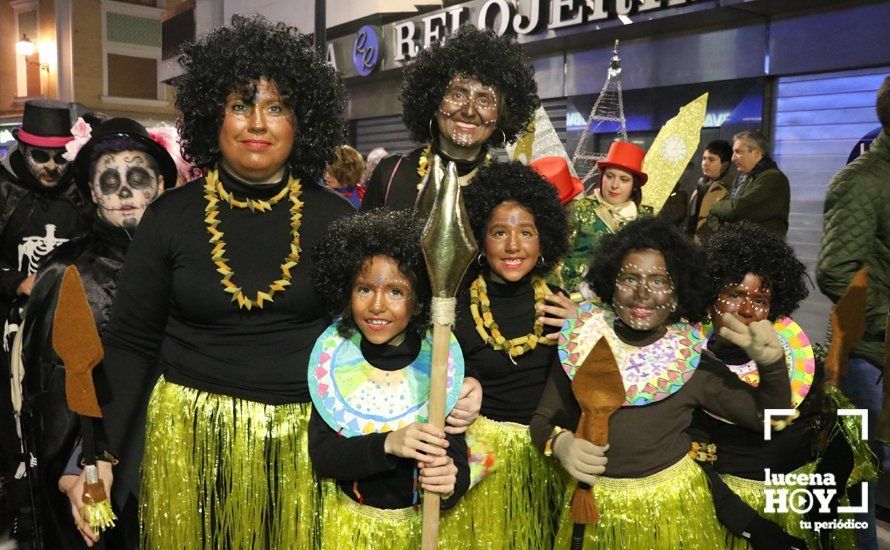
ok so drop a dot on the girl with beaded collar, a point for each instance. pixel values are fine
(215, 315)
(649, 493)
(755, 276)
(369, 382)
(475, 91)
(508, 346)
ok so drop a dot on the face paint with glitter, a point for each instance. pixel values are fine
(644, 295)
(123, 186)
(47, 166)
(383, 301)
(748, 300)
(468, 112)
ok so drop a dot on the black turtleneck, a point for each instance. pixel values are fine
(172, 316)
(510, 392)
(743, 452)
(384, 480)
(646, 439)
(394, 181)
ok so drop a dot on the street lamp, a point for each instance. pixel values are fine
(24, 46)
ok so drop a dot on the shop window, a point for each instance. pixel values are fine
(132, 77)
(28, 68)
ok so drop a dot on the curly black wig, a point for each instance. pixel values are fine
(685, 263)
(479, 54)
(234, 59)
(350, 241)
(515, 182)
(744, 247)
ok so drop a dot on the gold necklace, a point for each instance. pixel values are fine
(480, 307)
(423, 164)
(253, 204)
(218, 252)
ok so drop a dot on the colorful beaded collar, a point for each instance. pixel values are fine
(356, 398)
(799, 359)
(650, 373)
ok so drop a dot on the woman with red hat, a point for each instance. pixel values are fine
(614, 202)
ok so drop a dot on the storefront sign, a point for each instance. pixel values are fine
(524, 18)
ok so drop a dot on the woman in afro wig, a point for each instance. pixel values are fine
(475, 91)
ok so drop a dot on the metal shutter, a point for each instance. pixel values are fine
(819, 118)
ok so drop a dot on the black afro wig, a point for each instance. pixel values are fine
(234, 59)
(350, 241)
(479, 54)
(685, 263)
(515, 182)
(744, 247)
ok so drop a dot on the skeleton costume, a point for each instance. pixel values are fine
(99, 257)
(39, 210)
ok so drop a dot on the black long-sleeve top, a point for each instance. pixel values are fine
(743, 452)
(171, 315)
(646, 439)
(384, 480)
(510, 392)
(394, 184)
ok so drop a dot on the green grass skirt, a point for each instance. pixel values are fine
(221, 472)
(671, 509)
(517, 505)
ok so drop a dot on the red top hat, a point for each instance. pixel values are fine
(556, 171)
(626, 156)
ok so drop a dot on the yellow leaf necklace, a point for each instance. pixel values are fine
(423, 164)
(214, 192)
(480, 307)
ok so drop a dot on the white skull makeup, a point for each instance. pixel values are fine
(123, 185)
(468, 112)
(644, 295)
(46, 165)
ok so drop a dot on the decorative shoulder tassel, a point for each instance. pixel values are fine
(584, 506)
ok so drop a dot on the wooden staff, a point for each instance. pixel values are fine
(448, 248)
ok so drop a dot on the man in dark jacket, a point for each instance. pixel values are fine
(714, 184)
(39, 210)
(761, 194)
(857, 235)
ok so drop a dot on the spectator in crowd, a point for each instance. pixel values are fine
(857, 235)
(373, 159)
(345, 173)
(760, 195)
(715, 183)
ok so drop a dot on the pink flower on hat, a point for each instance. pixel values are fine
(168, 138)
(81, 132)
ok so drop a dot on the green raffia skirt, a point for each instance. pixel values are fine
(348, 525)
(667, 510)
(222, 472)
(517, 505)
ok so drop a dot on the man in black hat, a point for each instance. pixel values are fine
(39, 210)
(123, 170)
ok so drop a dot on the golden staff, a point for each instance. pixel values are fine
(448, 248)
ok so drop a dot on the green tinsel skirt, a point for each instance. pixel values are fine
(517, 505)
(348, 525)
(221, 472)
(666, 510)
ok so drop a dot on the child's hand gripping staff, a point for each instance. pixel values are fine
(599, 390)
(448, 248)
(76, 341)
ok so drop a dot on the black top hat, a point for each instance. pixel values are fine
(123, 127)
(45, 123)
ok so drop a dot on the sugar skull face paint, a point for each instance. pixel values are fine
(468, 112)
(383, 301)
(46, 165)
(748, 301)
(644, 295)
(123, 186)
